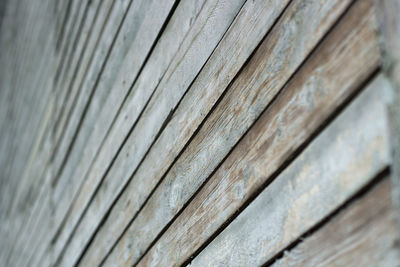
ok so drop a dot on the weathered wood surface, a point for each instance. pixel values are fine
(89, 34)
(154, 70)
(139, 31)
(389, 25)
(90, 76)
(185, 120)
(28, 123)
(340, 161)
(152, 133)
(327, 81)
(72, 64)
(363, 234)
(39, 182)
(251, 91)
(201, 40)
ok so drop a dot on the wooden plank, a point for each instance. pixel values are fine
(29, 63)
(65, 41)
(363, 234)
(42, 206)
(389, 25)
(218, 62)
(38, 206)
(84, 61)
(28, 184)
(86, 86)
(38, 182)
(340, 161)
(197, 46)
(74, 35)
(43, 64)
(252, 91)
(74, 59)
(182, 20)
(138, 32)
(327, 80)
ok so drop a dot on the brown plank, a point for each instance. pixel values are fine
(244, 101)
(205, 90)
(336, 165)
(363, 234)
(207, 30)
(326, 79)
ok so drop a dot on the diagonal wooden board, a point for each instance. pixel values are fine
(341, 160)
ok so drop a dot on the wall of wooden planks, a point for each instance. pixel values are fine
(199, 132)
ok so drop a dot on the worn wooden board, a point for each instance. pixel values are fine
(340, 161)
(389, 25)
(73, 62)
(134, 41)
(85, 59)
(363, 234)
(41, 206)
(32, 120)
(87, 84)
(251, 91)
(74, 35)
(217, 63)
(321, 86)
(27, 177)
(164, 51)
(208, 29)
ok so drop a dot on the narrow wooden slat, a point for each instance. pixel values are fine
(37, 100)
(327, 81)
(75, 57)
(218, 62)
(43, 184)
(180, 23)
(251, 91)
(197, 46)
(28, 121)
(340, 161)
(88, 82)
(363, 234)
(389, 25)
(134, 41)
(40, 205)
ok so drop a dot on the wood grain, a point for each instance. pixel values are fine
(340, 161)
(188, 116)
(251, 91)
(363, 234)
(211, 25)
(139, 31)
(326, 81)
(389, 25)
(94, 163)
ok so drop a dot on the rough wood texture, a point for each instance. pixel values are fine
(389, 24)
(363, 234)
(139, 30)
(186, 118)
(287, 207)
(151, 133)
(158, 63)
(249, 94)
(322, 84)
(211, 25)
